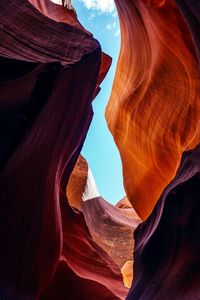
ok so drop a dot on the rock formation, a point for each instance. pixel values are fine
(156, 128)
(111, 227)
(154, 107)
(59, 238)
(50, 73)
(167, 244)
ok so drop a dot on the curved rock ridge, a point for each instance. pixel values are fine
(153, 111)
(167, 245)
(49, 74)
(191, 13)
(128, 210)
(60, 13)
(77, 183)
(111, 227)
(81, 186)
(44, 33)
(85, 270)
(59, 238)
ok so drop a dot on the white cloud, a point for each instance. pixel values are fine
(108, 26)
(105, 6)
(117, 32)
(92, 15)
(114, 28)
(114, 15)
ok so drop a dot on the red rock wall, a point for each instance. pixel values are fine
(49, 76)
(167, 245)
(111, 227)
(74, 245)
(153, 110)
(166, 254)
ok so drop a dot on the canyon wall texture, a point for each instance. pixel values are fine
(111, 227)
(153, 112)
(59, 238)
(167, 245)
(50, 73)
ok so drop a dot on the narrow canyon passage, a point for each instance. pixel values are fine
(60, 237)
(100, 150)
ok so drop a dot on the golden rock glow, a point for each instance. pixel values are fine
(127, 273)
(153, 110)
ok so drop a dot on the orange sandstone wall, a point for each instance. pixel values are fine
(154, 108)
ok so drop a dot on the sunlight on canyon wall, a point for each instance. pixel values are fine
(153, 111)
(50, 75)
(59, 238)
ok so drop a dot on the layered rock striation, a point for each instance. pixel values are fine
(50, 73)
(111, 227)
(167, 245)
(153, 110)
(59, 238)
(166, 260)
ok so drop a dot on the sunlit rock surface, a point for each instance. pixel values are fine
(127, 273)
(59, 238)
(77, 183)
(57, 12)
(110, 226)
(153, 112)
(167, 246)
(127, 208)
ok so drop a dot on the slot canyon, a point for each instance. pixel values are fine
(59, 238)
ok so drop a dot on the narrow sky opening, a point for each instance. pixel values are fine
(101, 19)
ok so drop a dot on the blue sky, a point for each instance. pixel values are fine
(100, 18)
